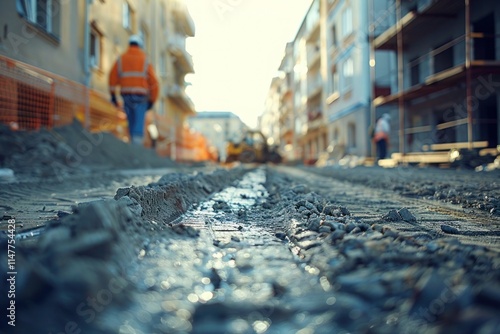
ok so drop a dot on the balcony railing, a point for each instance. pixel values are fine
(451, 55)
(445, 60)
(177, 46)
(314, 85)
(177, 92)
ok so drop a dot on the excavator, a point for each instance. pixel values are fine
(253, 148)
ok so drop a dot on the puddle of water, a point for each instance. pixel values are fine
(31, 233)
(229, 223)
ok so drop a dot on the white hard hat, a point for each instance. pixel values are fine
(135, 39)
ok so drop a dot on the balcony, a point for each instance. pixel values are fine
(422, 13)
(314, 32)
(313, 56)
(184, 18)
(441, 68)
(314, 86)
(178, 95)
(177, 47)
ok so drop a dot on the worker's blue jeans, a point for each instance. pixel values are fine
(381, 149)
(135, 106)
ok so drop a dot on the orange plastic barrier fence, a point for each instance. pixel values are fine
(31, 98)
(185, 145)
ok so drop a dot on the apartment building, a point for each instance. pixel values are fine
(299, 86)
(444, 86)
(61, 48)
(329, 83)
(269, 121)
(286, 114)
(347, 88)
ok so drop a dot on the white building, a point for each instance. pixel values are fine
(218, 127)
(348, 92)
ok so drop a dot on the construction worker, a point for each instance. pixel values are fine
(138, 86)
(381, 136)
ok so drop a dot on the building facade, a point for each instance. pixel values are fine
(444, 87)
(348, 76)
(433, 65)
(269, 122)
(78, 41)
(328, 82)
(287, 138)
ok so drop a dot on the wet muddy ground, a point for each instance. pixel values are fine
(257, 249)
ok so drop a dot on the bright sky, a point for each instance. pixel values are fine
(237, 49)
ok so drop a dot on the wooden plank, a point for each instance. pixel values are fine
(489, 151)
(422, 157)
(458, 145)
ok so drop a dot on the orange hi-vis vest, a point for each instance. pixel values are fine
(134, 74)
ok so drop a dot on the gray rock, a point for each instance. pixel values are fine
(392, 216)
(344, 211)
(336, 235)
(349, 227)
(300, 189)
(449, 229)
(406, 215)
(314, 224)
(280, 235)
(432, 246)
(324, 229)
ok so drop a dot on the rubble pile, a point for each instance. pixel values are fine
(81, 261)
(68, 150)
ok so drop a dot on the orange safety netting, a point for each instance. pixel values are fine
(31, 98)
(178, 142)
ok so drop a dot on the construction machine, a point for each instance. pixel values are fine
(253, 148)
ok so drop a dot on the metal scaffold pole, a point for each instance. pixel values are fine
(468, 74)
(86, 58)
(371, 36)
(401, 107)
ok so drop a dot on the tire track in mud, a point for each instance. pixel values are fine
(236, 276)
(336, 266)
(371, 204)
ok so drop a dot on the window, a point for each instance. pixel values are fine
(334, 35)
(43, 13)
(348, 73)
(351, 135)
(334, 80)
(128, 16)
(347, 20)
(95, 48)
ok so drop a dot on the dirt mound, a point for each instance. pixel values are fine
(70, 149)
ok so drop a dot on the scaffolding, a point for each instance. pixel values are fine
(432, 72)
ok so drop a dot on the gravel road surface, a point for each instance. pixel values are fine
(256, 249)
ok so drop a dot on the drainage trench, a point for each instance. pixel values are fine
(235, 277)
